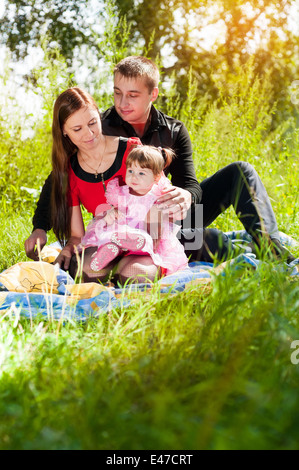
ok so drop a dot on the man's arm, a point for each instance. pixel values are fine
(182, 167)
(186, 191)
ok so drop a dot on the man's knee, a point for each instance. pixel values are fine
(243, 168)
(215, 244)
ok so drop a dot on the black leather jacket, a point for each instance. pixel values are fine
(163, 131)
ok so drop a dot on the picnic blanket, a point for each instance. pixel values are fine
(40, 289)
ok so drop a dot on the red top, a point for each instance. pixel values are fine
(86, 189)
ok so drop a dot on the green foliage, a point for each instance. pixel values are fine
(25, 161)
(51, 77)
(24, 24)
(114, 43)
(99, 33)
(256, 29)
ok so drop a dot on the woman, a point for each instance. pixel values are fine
(84, 161)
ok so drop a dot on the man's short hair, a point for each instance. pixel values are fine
(139, 67)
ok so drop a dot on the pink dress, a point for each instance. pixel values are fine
(167, 253)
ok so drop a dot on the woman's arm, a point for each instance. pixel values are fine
(42, 215)
(41, 222)
(77, 232)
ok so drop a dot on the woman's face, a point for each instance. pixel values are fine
(83, 128)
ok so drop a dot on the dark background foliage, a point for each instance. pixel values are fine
(256, 29)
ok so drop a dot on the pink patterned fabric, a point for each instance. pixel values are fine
(132, 210)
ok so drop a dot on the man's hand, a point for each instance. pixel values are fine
(35, 243)
(176, 202)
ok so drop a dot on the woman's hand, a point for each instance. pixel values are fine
(64, 258)
(35, 243)
(176, 202)
(77, 232)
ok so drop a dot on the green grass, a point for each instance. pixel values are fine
(204, 369)
(208, 368)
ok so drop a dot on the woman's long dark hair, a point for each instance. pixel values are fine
(63, 148)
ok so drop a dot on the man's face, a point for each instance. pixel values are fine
(132, 99)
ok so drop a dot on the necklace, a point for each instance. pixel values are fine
(96, 172)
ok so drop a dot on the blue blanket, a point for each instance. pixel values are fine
(39, 289)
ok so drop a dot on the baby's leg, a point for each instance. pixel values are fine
(129, 240)
(104, 255)
(137, 268)
(80, 267)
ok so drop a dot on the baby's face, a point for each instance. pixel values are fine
(140, 180)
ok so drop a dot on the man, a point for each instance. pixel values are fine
(133, 114)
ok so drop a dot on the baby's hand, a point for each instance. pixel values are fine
(111, 216)
(121, 216)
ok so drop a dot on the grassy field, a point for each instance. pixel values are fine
(208, 368)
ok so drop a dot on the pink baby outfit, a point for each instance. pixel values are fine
(169, 253)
